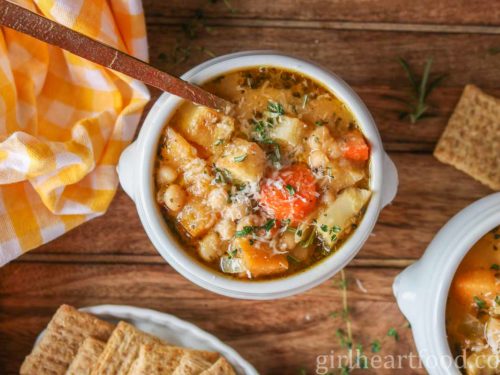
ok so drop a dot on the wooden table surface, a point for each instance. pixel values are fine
(111, 261)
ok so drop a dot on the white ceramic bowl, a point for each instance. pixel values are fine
(136, 165)
(422, 289)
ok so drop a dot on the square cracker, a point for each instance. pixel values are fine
(221, 367)
(157, 359)
(191, 364)
(86, 357)
(64, 334)
(122, 349)
(471, 140)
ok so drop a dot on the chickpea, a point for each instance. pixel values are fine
(210, 247)
(313, 142)
(332, 149)
(226, 229)
(318, 138)
(235, 211)
(287, 241)
(217, 199)
(174, 197)
(166, 174)
(317, 159)
(249, 221)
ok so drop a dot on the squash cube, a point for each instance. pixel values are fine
(206, 127)
(196, 218)
(176, 150)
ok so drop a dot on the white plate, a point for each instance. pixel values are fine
(171, 329)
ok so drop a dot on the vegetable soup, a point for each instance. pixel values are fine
(473, 310)
(273, 188)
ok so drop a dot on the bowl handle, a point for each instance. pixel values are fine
(405, 289)
(127, 171)
(391, 181)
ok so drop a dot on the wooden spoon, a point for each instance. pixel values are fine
(21, 19)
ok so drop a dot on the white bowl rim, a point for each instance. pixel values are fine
(422, 289)
(163, 240)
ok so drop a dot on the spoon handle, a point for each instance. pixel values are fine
(21, 19)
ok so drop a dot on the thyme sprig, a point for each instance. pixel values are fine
(346, 337)
(417, 106)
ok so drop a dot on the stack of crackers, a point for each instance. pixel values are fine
(77, 343)
(471, 140)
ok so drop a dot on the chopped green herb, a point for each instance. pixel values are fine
(293, 259)
(335, 229)
(244, 232)
(276, 155)
(240, 158)
(299, 233)
(276, 108)
(219, 142)
(480, 303)
(324, 228)
(376, 346)
(495, 267)
(393, 333)
(320, 123)
(290, 189)
(269, 225)
(232, 253)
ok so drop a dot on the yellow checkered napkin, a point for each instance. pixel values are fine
(64, 122)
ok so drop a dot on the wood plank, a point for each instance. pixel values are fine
(475, 12)
(276, 336)
(430, 193)
(361, 58)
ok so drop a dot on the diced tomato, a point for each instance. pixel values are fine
(354, 147)
(290, 194)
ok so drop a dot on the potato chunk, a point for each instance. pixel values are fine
(244, 160)
(289, 130)
(176, 150)
(334, 221)
(196, 218)
(206, 127)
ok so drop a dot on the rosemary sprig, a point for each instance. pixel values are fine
(421, 88)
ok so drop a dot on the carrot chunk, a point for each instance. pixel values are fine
(289, 194)
(354, 147)
(259, 258)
